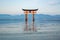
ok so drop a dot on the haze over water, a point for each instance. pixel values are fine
(13, 30)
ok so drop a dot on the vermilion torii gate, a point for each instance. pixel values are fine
(27, 11)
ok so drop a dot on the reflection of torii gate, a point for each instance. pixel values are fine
(26, 11)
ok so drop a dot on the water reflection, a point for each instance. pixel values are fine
(49, 30)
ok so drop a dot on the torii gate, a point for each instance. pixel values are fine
(27, 11)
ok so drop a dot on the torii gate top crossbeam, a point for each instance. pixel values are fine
(29, 10)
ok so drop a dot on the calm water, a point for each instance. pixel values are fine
(13, 30)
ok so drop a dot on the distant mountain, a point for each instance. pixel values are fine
(7, 16)
(47, 17)
(22, 16)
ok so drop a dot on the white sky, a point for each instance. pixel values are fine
(15, 6)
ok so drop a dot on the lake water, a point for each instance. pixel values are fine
(13, 30)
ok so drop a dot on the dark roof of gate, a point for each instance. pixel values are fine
(29, 9)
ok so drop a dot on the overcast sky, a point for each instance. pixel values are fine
(15, 6)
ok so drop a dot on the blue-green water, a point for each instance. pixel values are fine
(13, 30)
